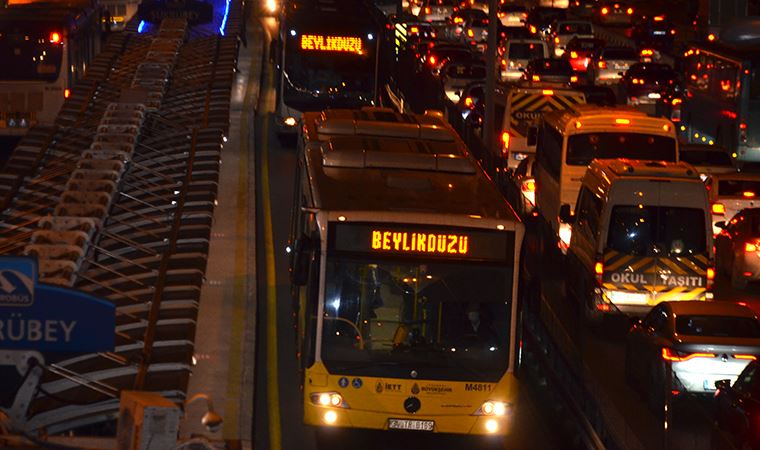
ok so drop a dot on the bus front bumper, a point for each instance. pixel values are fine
(372, 420)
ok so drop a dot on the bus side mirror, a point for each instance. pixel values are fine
(532, 136)
(566, 214)
(302, 253)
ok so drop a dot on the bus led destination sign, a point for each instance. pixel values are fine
(407, 242)
(424, 241)
(345, 44)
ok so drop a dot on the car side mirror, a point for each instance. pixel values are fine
(721, 224)
(302, 254)
(723, 384)
(532, 136)
(566, 214)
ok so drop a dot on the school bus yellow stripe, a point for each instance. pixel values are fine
(619, 263)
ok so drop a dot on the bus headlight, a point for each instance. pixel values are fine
(328, 399)
(491, 408)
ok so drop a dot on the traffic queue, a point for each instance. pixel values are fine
(600, 147)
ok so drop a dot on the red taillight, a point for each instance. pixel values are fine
(599, 272)
(505, 138)
(66, 93)
(573, 54)
(602, 64)
(718, 208)
(414, 30)
(533, 29)
(528, 186)
(427, 10)
(536, 78)
(468, 102)
(55, 38)
(605, 10)
(556, 40)
(629, 11)
(742, 126)
(432, 60)
(674, 356)
(750, 247)
(470, 33)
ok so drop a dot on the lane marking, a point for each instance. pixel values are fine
(273, 388)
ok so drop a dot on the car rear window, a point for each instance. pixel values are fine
(463, 71)
(739, 188)
(620, 54)
(706, 158)
(718, 326)
(525, 51)
(512, 8)
(575, 28)
(657, 230)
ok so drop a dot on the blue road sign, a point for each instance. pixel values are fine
(49, 318)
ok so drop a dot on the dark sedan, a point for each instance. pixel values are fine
(551, 71)
(647, 83)
(737, 409)
(655, 31)
(580, 50)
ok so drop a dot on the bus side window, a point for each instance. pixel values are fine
(726, 79)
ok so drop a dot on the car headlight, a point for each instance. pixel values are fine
(491, 408)
(328, 399)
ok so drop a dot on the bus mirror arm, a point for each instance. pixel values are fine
(532, 134)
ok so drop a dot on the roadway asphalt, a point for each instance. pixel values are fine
(277, 401)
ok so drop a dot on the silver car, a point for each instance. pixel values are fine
(607, 65)
(564, 30)
(686, 346)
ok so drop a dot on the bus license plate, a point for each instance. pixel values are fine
(416, 425)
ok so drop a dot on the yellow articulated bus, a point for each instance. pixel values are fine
(404, 266)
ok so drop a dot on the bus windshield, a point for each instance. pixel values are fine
(30, 52)
(583, 148)
(341, 68)
(445, 320)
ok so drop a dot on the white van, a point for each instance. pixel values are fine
(641, 234)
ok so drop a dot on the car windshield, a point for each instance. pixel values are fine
(574, 28)
(451, 318)
(739, 188)
(718, 326)
(582, 148)
(657, 230)
(627, 53)
(519, 50)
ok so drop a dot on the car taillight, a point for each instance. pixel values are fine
(468, 102)
(605, 10)
(599, 272)
(427, 10)
(743, 132)
(573, 54)
(505, 138)
(718, 209)
(533, 29)
(676, 356)
(55, 38)
(602, 64)
(629, 11)
(528, 186)
(66, 93)
(750, 247)
(710, 275)
(573, 79)
(432, 60)
(536, 78)
(470, 33)
(673, 31)
(556, 40)
(747, 357)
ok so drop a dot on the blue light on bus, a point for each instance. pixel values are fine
(224, 19)
(141, 27)
(293, 33)
(370, 36)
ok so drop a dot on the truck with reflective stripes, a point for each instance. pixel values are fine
(524, 106)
